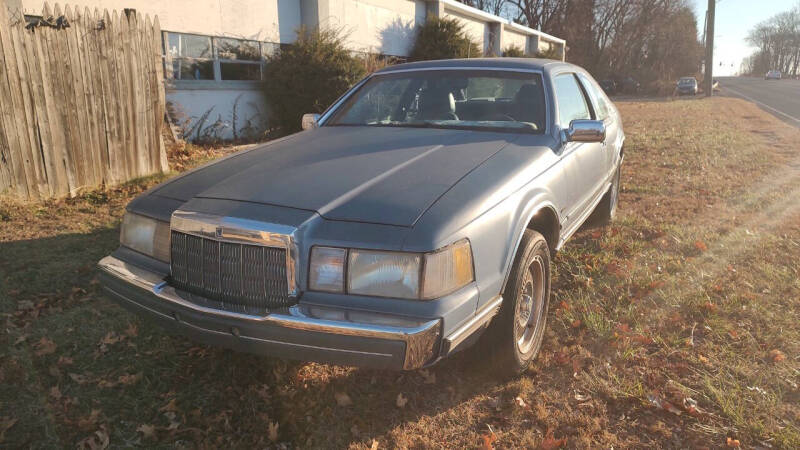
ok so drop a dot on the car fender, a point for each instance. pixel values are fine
(538, 202)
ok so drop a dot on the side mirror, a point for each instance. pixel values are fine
(585, 131)
(310, 121)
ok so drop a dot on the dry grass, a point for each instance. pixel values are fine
(676, 327)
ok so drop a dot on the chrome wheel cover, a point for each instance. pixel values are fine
(530, 306)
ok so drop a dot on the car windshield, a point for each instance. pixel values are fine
(687, 81)
(460, 99)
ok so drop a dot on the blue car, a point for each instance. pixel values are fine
(417, 216)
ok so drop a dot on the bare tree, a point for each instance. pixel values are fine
(778, 43)
(495, 7)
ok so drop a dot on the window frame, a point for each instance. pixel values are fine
(597, 97)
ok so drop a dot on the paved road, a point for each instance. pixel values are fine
(781, 98)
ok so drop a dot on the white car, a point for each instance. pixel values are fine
(773, 75)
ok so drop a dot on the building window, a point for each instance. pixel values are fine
(198, 57)
(238, 59)
(191, 56)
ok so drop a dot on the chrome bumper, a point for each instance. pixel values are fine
(301, 332)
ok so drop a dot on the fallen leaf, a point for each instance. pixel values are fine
(342, 399)
(55, 392)
(732, 442)
(90, 421)
(132, 330)
(488, 439)
(576, 323)
(78, 378)
(64, 361)
(520, 402)
(97, 441)
(45, 347)
(582, 397)
(111, 338)
(148, 431)
(170, 406)
(273, 431)
(657, 401)
(700, 245)
(777, 355)
(401, 401)
(129, 378)
(551, 443)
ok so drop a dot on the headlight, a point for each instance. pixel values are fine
(383, 274)
(377, 273)
(145, 235)
(326, 271)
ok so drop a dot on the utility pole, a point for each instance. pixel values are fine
(708, 81)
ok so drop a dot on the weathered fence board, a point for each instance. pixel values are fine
(82, 101)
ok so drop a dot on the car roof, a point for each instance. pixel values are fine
(544, 65)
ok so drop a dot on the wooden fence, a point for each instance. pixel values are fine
(82, 96)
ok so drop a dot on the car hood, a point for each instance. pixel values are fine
(366, 174)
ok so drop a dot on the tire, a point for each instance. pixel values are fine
(606, 210)
(515, 336)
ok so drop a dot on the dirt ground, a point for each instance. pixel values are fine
(676, 327)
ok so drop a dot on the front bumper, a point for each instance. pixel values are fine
(309, 333)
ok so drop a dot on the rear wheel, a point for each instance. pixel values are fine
(515, 336)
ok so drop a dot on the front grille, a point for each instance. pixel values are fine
(249, 279)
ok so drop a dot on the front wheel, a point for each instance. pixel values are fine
(515, 336)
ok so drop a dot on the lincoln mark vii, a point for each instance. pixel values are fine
(415, 217)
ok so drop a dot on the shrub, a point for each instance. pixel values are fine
(514, 51)
(549, 54)
(373, 62)
(307, 76)
(443, 38)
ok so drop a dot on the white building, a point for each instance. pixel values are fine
(214, 49)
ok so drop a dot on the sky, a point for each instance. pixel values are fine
(735, 19)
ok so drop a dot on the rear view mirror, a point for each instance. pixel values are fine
(585, 131)
(310, 121)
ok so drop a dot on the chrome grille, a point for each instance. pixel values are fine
(231, 276)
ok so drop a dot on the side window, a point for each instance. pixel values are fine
(598, 98)
(571, 102)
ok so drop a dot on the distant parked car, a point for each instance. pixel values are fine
(687, 86)
(609, 86)
(394, 231)
(630, 85)
(773, 75)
